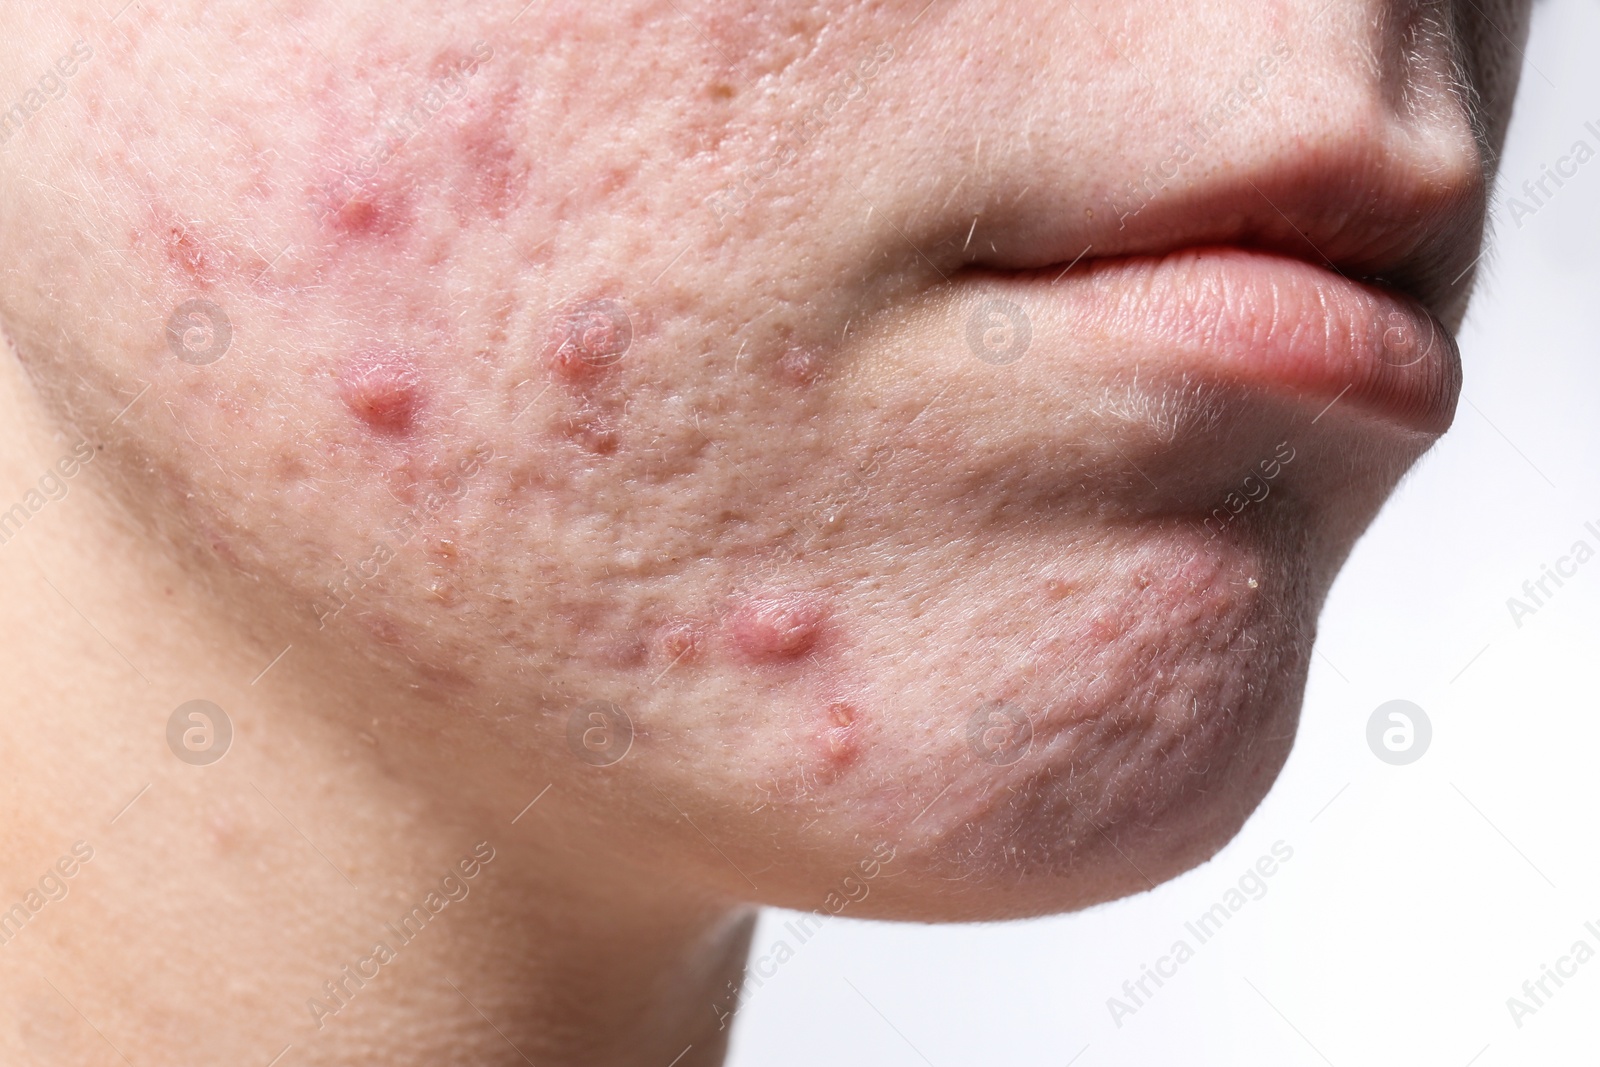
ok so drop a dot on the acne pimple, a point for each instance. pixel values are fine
(588, 338)
(839, 737)
(776, 627)
(382, 388)
(362, 210)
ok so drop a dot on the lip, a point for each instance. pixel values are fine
(1269, 323)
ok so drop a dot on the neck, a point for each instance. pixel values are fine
(342, 883)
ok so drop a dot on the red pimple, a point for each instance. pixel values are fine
(781, 626)
(383, 389)
(588, 338)
(364, 209)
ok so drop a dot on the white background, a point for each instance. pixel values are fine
(1423, 896)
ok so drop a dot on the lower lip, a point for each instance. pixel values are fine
(1275, 324)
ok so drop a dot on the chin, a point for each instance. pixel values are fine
(1050, 734)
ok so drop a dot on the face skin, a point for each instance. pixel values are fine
(884, 453)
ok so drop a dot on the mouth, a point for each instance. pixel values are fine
(1261, 322)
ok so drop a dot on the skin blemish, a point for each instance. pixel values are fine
(783, 626)
(366, 213)
(382, 388)
(839, 728)
(592, 430)
(800, 366)
(189, 254)
(838, 739)
(587, 339)
(680, 642)
(495, 174)
(1059, 588)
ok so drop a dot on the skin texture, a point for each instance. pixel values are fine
(582, 403)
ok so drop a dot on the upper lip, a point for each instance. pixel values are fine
(1351, 209)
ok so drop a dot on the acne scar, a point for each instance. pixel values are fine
(382, 388)
(801, 366)
(777, 627)
(680, 641)
(1060, 588)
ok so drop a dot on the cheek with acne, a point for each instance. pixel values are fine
(383, 389)
(779, 627)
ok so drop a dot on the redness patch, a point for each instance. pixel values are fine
(362, 212)
(188, 255)
(383, 389)
(778, 627)
(495, 173)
